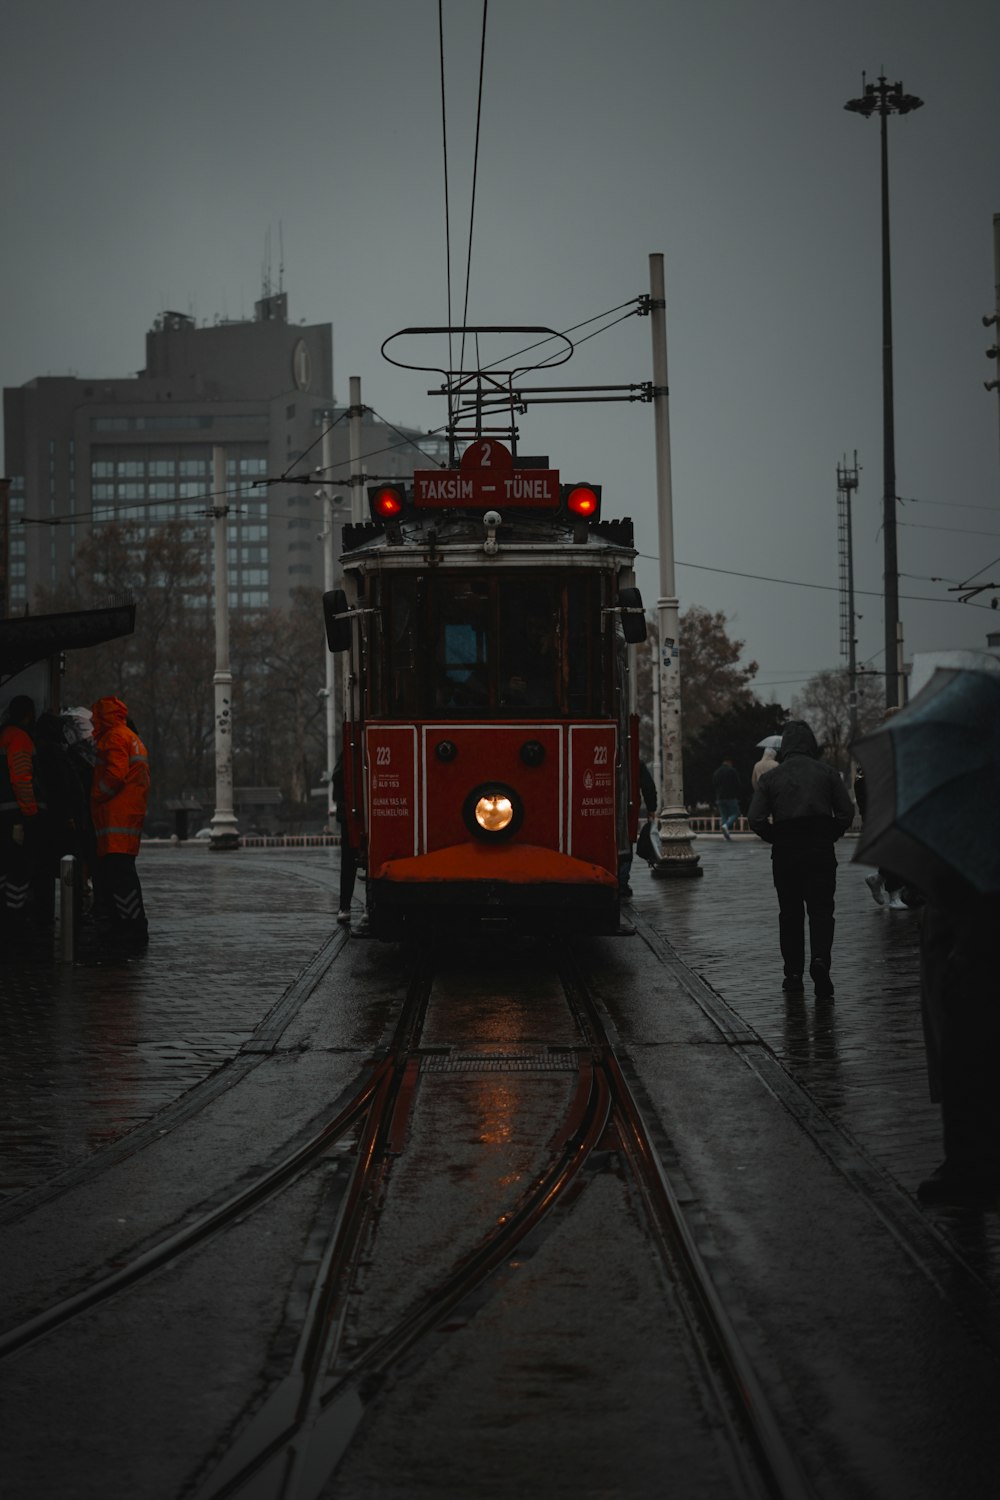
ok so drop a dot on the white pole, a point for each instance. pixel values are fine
(351, 660)
(329, 659)
(654, 669)
(225, 833)
(675, 831)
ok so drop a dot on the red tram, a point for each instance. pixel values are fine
(490, 758)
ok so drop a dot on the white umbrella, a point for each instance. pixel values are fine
(770, 742)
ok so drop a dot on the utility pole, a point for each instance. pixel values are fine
(992, 320)
(225, 833)
(847, 483)
(349, 679)
(885, 99)
(330, 661)
(675, 831)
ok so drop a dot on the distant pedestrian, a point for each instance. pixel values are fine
(21, 802)
(801, 809)
(62, 823)
(79, 731)
(119, 795)
(887, 889)
(726, 788)
(645, 846)
(767, 762)
(348, 862)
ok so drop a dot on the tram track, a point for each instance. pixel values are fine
(259, 1046)
(262, 1043)
(297, 1438)
(293, 1444)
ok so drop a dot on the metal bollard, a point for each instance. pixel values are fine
(67, 906)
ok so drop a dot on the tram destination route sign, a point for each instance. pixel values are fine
(486, 479)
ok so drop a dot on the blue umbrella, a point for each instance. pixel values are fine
(932, 774)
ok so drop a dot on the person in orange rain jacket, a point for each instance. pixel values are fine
(20, 801)
(119, 793)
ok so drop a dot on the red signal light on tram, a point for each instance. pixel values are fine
(583, 501)
(386, 502)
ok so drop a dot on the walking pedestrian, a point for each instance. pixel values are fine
(767, 762)
(61, 823)
(962, 1037)
(20, 805)
(119, 795)
(887, 889)
(801, 808)
(348, 862)
(644, 845)
(726, 787)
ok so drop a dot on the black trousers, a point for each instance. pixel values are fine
(348, 871)
(120, 910)
(805, 878)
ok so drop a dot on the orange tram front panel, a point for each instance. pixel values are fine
(426, 849)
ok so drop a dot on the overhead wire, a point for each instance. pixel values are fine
(801, 583)
(447, 211)
(475, 175)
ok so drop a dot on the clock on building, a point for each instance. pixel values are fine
(301, 365)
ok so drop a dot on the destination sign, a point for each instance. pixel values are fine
(486, 479)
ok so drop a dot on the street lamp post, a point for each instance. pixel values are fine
(885, 99)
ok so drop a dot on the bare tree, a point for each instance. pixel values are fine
(824, 703)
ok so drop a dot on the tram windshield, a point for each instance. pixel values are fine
(500, 647)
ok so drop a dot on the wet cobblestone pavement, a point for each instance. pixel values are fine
(861, 1056)
(87, 1053)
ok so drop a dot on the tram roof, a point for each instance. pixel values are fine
(461, 541)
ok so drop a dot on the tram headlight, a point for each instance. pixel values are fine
(493, 811)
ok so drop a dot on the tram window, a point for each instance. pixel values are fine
(403, 635)
(528, 642)
(581, 607)
(460, 654)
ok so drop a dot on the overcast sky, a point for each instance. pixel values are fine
(150, 149)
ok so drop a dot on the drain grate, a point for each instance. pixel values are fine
(534, 1060)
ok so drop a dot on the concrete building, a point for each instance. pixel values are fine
(140, 449)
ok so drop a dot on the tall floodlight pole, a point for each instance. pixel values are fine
(675, 831)
(885, 99)
(225, 833)
(847, 483)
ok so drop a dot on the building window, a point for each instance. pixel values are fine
(299, 568)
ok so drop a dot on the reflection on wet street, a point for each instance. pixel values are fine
(88, 1051)
(861, 1056)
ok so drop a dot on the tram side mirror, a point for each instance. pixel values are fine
(337, 619)
(633, 616)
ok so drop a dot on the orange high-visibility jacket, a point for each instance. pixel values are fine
(119, 791)
(17, 781)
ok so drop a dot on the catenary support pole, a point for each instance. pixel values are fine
(993, 320)
(352, 659)
(676, 836)
(329, 573)
(225, 833)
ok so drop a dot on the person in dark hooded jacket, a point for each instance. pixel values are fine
(801, 809)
